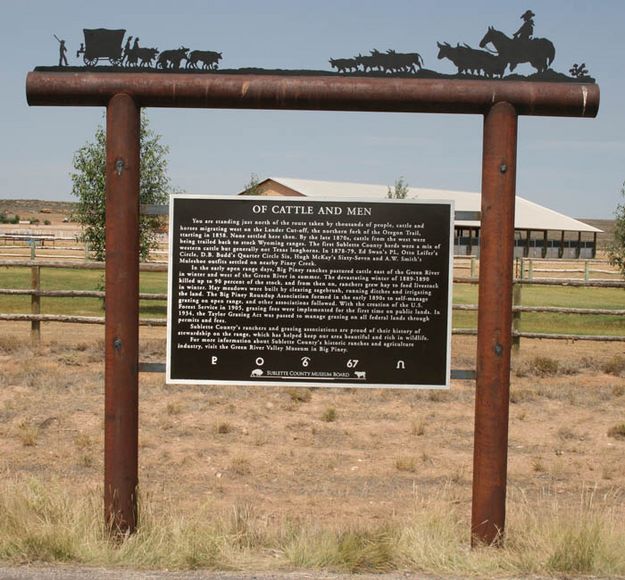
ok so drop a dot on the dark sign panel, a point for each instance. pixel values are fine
(296, 291)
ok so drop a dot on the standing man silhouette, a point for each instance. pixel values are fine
(62, 52)
(527, 28)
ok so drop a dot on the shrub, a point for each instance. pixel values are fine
(406, 464)
(543, 366)
(298, 394)
(224, 428)
(615, 366)
(329, 415)
(617, 432)
(521, 395)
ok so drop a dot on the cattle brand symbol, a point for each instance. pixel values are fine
(494, 55)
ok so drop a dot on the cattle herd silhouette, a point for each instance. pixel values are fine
(497, 53)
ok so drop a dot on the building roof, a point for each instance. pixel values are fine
(528, 215)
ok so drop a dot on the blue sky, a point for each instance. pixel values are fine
(576, 166)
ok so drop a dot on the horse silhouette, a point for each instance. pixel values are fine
(539, 52)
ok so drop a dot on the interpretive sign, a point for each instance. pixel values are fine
(301, 291)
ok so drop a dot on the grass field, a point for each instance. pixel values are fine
(156, 282)
(61, 279)
(555, 323)
(342, 480)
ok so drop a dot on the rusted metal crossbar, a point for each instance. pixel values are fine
(311, 93)
(501, 103)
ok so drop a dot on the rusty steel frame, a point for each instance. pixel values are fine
(500, 102)
(312, 93)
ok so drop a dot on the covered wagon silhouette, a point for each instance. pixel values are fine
(101, 44)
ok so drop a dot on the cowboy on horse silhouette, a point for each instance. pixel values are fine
(522, 47)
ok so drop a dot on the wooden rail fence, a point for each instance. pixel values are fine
(35, 317)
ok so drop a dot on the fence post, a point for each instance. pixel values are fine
(473, 267)
(530, 273)
(586, 271)
(35, 303)
(494, 334)
(516, 316)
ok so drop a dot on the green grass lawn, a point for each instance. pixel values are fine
(61, 279)
(156, 282)
(566, 297)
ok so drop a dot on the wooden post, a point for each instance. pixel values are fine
(494, 338)
(35, 304)
(516, 317)
(545, 243)
(594, 246)
(473, 266)
(578, 250)
(121, 371)
(561, 248)
(528, 237)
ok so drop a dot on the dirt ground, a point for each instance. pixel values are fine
(331, 455)
(53, 211)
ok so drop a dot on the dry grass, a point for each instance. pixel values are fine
(385, 486)
(417, 427)
(28, 433)
(50, 523)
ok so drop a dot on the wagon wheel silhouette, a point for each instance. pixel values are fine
(90, 61)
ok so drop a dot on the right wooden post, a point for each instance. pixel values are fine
(494, 340)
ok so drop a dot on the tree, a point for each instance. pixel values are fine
(88, 186)
(399, 191)
(616, 250)
(252, 187)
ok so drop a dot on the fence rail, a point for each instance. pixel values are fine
(36, 318)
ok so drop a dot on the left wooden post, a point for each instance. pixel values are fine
(121, 373)
(35, 299)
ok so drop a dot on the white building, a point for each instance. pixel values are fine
(539, 231)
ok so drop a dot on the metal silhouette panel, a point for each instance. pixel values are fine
(302, 292)
(494, 54)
